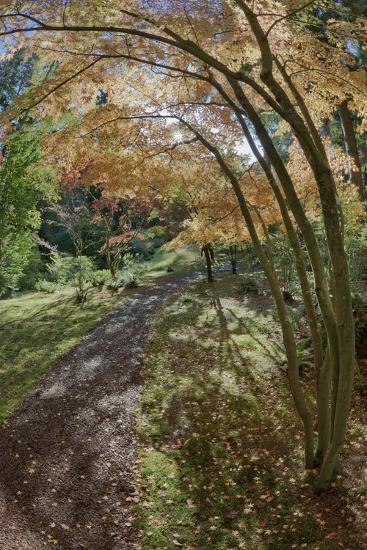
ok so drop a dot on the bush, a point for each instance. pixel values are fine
(83, 277)
(60, 268)
(113, 285)
(122, 280)
(46, 286)
(186, 298)
(133, 272)
(15, 254)
(131, 282)
(248, 284)
(33, 271)
(100, 278)
(65, 269)
(130, 277)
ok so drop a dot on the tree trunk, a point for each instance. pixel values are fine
(288, 335)
(337, 313)
(111, 265)
(285, 322)
(339, 323)
(233, 258)
(333, 222)
(208, 253)
(321, 284)
(322, 366)
(351, 148)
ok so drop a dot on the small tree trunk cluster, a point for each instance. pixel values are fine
(207, 251)
(334, 363)
(233, 258)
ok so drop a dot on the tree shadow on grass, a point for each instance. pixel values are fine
(39, 313)
(240, 459)
(67, 455)
(34, 341)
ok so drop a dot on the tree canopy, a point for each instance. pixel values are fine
(186, 95)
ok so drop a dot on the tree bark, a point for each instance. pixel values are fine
(342, 345)
(351, 148)
(333, 222)
(233, 258)
(208, 253)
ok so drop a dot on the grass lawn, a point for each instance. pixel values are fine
(220, 445)
(35, 329)
(183, 259)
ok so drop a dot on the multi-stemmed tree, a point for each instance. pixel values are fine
(223, 63)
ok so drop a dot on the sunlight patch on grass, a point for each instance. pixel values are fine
(166, 510)
(211, 410)
(35, 329)
(186, 258)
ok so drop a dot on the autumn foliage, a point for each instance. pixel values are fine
(189, 88)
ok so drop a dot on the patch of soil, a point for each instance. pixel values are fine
(67, 455)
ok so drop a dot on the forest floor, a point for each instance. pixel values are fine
(67, 454)
(36, 328)
(220, 444)
(216, 460)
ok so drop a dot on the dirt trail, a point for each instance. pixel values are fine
(67, 454)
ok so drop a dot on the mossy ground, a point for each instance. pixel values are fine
(35, 329)
(220, 445)
(183, 259)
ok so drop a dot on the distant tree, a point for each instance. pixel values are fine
(15, 76)
(120, 222)
(24, 182)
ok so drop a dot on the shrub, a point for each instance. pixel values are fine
(113, 285)
(131, 282)
(248, 284)
(100, 278)
(130, 277)
(65, 269)
(34, 270)
(46, 286)
(186, 298)
(59, 268)
(15, 254)
(133, 272)
(83, 276)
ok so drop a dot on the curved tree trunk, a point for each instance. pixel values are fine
(343, 347)
(351, 148)
(285, 322)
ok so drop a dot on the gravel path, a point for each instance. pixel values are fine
(67, 455)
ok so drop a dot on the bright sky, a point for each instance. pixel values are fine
(244, 149)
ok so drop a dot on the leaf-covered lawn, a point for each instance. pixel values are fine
(221, 454)
(35, 329)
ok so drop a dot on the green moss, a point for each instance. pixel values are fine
(183, 259)
(165, 514)
(362, 489)
(36, 329)
(211, 420)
